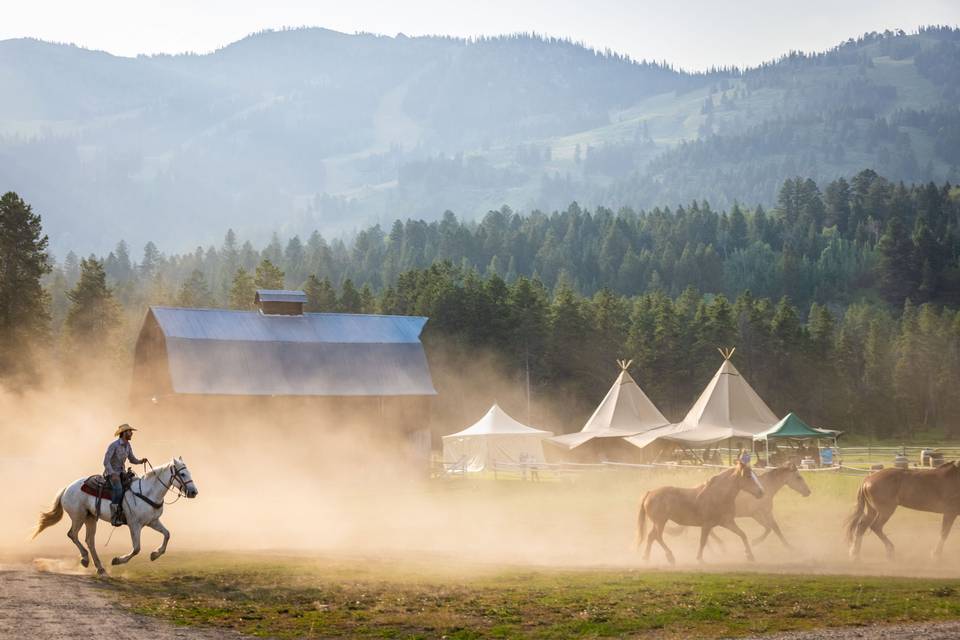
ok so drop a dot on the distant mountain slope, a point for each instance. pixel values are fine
(307, 128)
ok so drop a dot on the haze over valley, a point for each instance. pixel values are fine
(304, 129)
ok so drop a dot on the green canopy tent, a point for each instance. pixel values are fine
(793, 428)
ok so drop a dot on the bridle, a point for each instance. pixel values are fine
(176, 481)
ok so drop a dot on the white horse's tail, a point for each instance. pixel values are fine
(50, 518)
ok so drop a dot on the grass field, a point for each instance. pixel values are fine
(290, 596)
(485, 558)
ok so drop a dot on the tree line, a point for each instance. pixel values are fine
(852, 240)
(841, 302)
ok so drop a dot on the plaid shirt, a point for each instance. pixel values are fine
(119, 452)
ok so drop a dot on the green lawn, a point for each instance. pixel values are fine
(287, 596)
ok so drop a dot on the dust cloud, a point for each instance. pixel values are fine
(278, 477)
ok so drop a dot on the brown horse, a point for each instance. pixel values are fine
(933, 490)
(712, 504)
(761, 509)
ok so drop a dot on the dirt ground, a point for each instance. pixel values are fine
(932, 631)
(273, 493)
(47, 605)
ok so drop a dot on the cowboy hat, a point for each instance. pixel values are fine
(122, 428)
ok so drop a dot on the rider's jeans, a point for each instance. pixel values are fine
(117, 489)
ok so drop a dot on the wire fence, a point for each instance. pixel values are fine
(555, 471)
(857, 461)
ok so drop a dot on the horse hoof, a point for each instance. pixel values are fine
(84, 562)
(115, 561)
(751, 559)
(154, 555)
(101, 571)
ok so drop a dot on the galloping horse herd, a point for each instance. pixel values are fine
(733, 493)
(739, 492)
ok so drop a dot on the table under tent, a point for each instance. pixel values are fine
(624, 411)
(729, 413)
(494, 439)
(793, 440)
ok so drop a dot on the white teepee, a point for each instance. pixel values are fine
(727, 408)
(624, 411)
(496, 437)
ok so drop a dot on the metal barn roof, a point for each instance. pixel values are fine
(220, 352)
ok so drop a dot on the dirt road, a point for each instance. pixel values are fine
(925, 631)
(54, 606)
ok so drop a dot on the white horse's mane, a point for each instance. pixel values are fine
(154, 471)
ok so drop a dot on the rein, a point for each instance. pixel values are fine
(173, 474)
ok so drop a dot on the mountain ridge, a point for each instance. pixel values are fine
(311, 128)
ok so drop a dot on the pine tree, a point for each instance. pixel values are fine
(787, 336)
(59, 302)
(94, 314)
(24, 316)
(71, 268)
(151, 263)
(878, 411)
(274, 251)
(268, 276)
(321, 296)
(667, 336)
(899, 277)
(242, 290)
(194, 292)
(228, 264)
(738, 229)
(349, 301)
(248, 256)
(368, 301)
(837, 196)
(567, 327)
(528, 309)
(121, 269)
(294, 259)
(820, 370)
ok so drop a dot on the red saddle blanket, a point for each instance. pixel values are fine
(95, 485)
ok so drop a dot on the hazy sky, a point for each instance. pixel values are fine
(693, 34)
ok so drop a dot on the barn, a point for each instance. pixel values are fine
(344, 367)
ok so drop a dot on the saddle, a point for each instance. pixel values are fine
(99, 486)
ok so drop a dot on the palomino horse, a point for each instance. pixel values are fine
(82, 509)
(933, 490)
(761, 509)
(710, 505)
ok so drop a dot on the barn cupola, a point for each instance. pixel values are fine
(280, 302)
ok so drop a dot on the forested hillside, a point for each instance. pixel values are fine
(866, 239)
(311, 129)
(841, 301)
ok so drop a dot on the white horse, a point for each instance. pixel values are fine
(82, 509)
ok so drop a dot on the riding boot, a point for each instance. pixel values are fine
(116, 517)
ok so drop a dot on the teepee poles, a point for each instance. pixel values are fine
(726, 352)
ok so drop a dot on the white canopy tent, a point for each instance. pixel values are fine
(624, 411)
(496, 437)
(728, 408)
